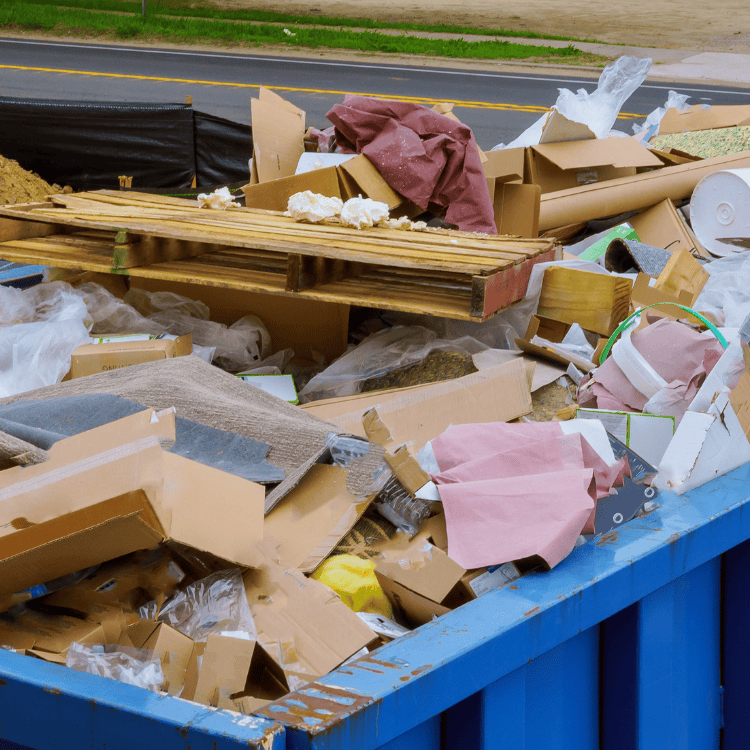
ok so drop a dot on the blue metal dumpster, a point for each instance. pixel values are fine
(638, 639)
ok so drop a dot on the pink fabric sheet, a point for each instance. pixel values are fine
(514, 458)
(423, 155)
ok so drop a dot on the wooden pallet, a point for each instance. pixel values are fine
(451, 274)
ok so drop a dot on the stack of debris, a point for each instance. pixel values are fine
(433, 400)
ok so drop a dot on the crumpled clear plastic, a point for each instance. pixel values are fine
(598, 110)
(726, 295)
(39, 330)
(346, 449)
(380, 353)
(652, 122)
(403, 510)
(214, 604)
(149, 303)
(133, 666)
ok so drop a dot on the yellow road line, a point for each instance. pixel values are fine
(414, 99)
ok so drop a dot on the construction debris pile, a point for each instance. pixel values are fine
(241, 445)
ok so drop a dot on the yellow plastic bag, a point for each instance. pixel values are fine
(353, 579)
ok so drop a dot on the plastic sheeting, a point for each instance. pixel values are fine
(90, 144)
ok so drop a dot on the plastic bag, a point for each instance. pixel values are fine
(41, 328)
(346, 450)
(148, 303)
(651, 125)
(214, 604)
(133, 666)
(599, 110)
(403, 510)
(381, 353)
(726, 295)
(353, 579)
(110, 314)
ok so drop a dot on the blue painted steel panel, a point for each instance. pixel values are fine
(529, 649)
(49, 707)
(552, 703)
(736, 652)
(446, 661)
(425, 736)
(662, 680)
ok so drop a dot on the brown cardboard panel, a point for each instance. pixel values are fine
(661, 226)
(740, 400)
(93, 501)
(554, 331)
(497, 394)
(644, 295)
(224, 669)
(417, 609)
(312, 519)
(560, 166)
(683, 273)
(89, 359)
(49, 633)
(274, 195)
(304, 325)
(76, 541)
(270, 96)
(418, 564)
(278, 135)
(506, 165)
(697, 118)
(630, 193)
(517, 209)
(559, 129)
(369, 182)
(173, 648)
(287, 606)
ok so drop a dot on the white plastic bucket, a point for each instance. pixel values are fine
(720, 208)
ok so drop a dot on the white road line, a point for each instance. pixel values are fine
(365, 66)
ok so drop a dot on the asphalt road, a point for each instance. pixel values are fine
(497, 106)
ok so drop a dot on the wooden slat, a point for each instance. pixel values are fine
(453, 274)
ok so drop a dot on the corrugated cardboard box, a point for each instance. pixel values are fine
(114, 490)
(355, 177)
(560, 166)
(112, 352)
(285, 604)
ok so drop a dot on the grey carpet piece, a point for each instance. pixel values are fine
(204, 394)
(624, 255)
(43, 423)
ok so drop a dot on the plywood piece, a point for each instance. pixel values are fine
(598, 302)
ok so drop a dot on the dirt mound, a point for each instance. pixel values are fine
(19, 186)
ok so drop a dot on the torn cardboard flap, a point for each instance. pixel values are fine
(697, 117)
(355, 177)
(559, 166)
(313, 518)
(114, 490)
(89, 359)
(559, 129)
(553, 331)
(278, 136)
(663, 226)
(496, 394)
(288, 606)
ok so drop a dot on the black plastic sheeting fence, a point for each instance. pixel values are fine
(88, 145)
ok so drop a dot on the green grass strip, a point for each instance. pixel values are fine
(41, 17)
(172, 9)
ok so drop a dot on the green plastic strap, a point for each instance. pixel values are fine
(627, 322)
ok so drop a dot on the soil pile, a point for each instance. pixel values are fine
(19, 186)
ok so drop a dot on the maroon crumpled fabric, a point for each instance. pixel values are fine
(427, 157)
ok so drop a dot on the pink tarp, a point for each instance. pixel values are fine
(678, 353)
(515, 490)
(423, 155)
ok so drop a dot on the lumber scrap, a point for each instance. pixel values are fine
(442, 272)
